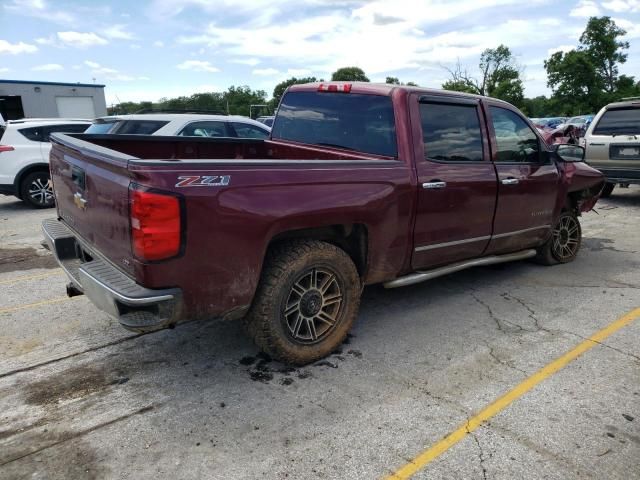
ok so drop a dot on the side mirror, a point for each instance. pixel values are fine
(570, 153)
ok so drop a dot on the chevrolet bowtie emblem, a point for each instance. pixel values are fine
(80, 202)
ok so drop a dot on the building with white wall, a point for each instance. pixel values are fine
(25, 99)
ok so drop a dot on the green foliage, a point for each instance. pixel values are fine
(499, 77)
(235, 101)
(585, 79)
(396, 81)
(280, 88)
(600, 42)
(353, 74)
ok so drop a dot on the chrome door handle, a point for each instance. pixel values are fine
(510, 181)
(434, 185)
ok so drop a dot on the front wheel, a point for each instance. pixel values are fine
(36, 190)
(306, 302)
(564, 243)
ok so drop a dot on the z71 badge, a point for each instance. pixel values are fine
(203, 181)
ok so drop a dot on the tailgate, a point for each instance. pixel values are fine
(91, 185)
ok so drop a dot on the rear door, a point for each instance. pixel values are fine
(527, 183)
(456, 181)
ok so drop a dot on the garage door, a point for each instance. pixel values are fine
(75, 107)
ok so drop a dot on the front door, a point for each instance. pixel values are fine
(456, 181)
(527, 183)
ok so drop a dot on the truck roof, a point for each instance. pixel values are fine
(387, 88)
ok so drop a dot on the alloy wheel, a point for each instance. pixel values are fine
(312, 308)
(566, 238)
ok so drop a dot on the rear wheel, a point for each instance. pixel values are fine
(306, 302)
(608, 188)
(564, 243)
(36, 190)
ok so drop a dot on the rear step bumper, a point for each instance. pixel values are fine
(136, 307)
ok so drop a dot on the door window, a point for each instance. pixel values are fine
(451, 132)
(516, 142)
(244, 130)
(205, 129)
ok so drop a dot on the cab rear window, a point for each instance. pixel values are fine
(621, 121)
(349, 121)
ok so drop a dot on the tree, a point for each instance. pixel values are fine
(280, 88)
(353, 74)
(499, 76)
(574, 81)
(396, 81)
(239, 99)
(587, 78)
(600, 42)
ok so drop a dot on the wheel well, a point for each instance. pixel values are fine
(574, 198)
(38, 167)
(353, 239)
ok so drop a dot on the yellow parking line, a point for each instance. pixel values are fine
(30, 277)
(427, 456)
(31, 305)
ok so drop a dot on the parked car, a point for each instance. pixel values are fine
(267, 120)
(24, 157)
(181, 124)
(612, 143)
(358, 184)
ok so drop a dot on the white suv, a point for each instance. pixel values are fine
(180, 124)
(24, 157)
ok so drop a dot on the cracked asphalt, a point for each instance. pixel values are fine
(82, 398)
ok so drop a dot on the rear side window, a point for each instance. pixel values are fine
(244, 130)
(100, 127)
(620, 121)
(71, 128)
(364, 123)
(516, 142)
(139, 127)
(34, 133)
(451, 133)
(204, 129)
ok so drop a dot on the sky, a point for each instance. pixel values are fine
(149, 49)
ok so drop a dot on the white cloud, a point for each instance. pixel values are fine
(298, 72)
(618, 6)
(561, 48)
(158, 43)
(48, 67)
(246, 61)
(267, 72)
(4, 70)
(81, 39)
(16, 48)
(40, 9)
(632, 28)
(111, 73)
(197, 66)
(585, 8)
(118, 32)
(135, 46)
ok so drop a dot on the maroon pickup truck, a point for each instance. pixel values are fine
(358, 184)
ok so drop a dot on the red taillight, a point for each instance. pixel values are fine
(6, 148)
(155, 225)
(332, 87)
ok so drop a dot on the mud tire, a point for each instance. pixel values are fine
(286, 265)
